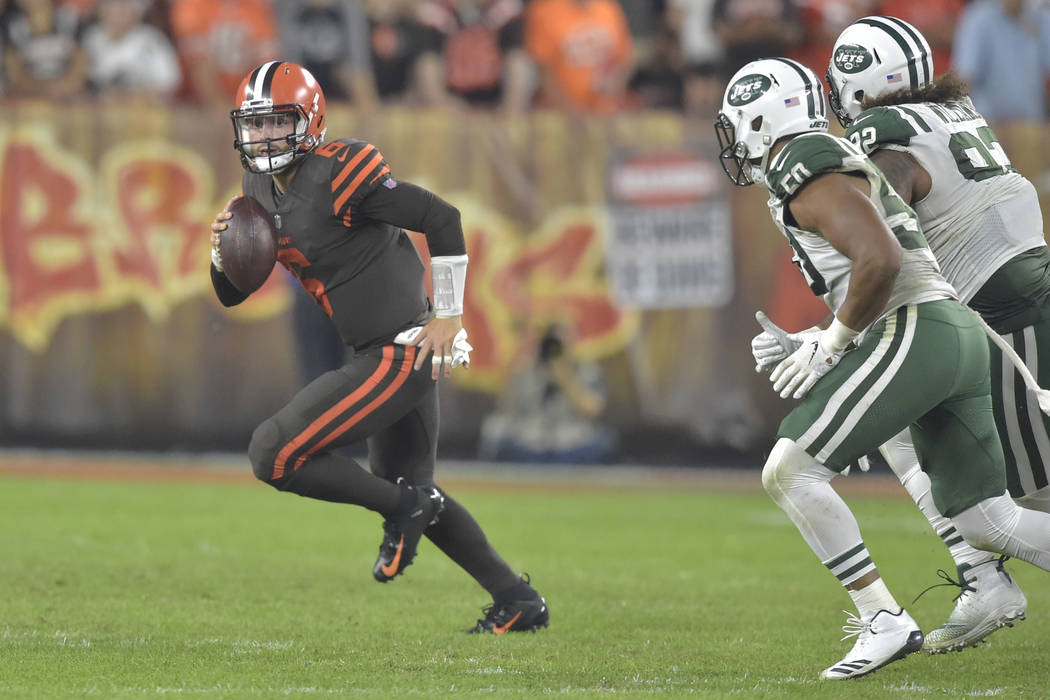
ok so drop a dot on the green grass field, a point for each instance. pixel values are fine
(118, 589)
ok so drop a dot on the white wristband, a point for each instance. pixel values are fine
(449, 273)
(836, 337)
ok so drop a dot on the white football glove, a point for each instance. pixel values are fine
(773, 344)
(460, 347)
(216, 259)
(803, 368)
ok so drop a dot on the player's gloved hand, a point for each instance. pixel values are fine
(461, 350)
(816, 356)
(773, 344)
(799, 371)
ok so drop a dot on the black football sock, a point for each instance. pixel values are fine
(409, 499)
(340, 479)
(459, 536)
(519, 591)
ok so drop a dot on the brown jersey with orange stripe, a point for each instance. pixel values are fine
(364, 272)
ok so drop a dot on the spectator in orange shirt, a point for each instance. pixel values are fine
(584, 50)
(220, 41)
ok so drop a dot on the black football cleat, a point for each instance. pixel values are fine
(526, 615)
(401, 533)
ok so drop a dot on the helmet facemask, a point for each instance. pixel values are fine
(745, 169)
(270, 137)
(845, 113)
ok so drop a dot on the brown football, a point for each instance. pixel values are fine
(248, 246)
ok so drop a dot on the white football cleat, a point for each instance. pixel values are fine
(989, 600)
(883, 638)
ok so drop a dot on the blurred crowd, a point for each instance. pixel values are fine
(582, 56)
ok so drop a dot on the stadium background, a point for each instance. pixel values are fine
(621, 226)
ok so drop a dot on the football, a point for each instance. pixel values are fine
(248, 246)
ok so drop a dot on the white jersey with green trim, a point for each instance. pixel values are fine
(826, 269)
(980, 212)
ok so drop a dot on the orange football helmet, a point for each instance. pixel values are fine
(280, 116)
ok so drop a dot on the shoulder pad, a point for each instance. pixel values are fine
(356, 168)
(882, 126)
(806, 157)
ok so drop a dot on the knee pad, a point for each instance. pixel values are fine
(990, 524)
(788, 466)
(899, 453)
(262, 451)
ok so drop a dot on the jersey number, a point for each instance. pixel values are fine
(864, 138)
(978, 154)
(295, 262)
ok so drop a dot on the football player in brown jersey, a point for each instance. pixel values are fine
(339, 215)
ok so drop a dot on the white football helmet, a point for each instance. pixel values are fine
(766, 100)
(872, 57)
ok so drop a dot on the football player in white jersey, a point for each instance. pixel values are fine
(982, 221)
(868, 375)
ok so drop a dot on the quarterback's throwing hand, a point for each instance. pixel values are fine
(800, 371)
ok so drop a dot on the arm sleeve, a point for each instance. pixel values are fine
(412, 207)
(228, 294)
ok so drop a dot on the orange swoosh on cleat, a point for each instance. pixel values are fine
(500, 629)
(391, 569)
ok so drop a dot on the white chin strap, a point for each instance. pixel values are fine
(758, 172)
(273, 164)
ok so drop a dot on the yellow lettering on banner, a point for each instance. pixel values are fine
(46, 258)
(133, 231)
(73, 241)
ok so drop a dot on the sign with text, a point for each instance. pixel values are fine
(669, 238)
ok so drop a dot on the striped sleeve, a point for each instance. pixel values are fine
(356, 171)
(804, 158)
(882, 126)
